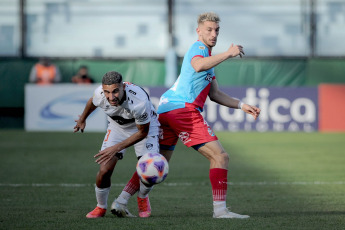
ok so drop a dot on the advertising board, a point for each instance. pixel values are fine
(54, 108)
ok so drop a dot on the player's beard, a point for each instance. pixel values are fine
(114, 102)
(212, 43)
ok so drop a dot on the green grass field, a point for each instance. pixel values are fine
(282, 180)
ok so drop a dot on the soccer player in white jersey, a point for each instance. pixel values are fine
(132, 120)
(180, 108)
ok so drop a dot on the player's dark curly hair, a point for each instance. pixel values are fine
(111, 77)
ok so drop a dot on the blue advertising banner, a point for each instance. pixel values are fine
(282, 109)
(56, 107)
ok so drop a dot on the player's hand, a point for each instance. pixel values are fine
(105, 156)
(79, 126)
(236, 50)
(252, 110)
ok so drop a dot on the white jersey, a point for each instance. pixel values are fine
(135, 109)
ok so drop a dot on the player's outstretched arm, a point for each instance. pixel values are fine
(81, 122)
(222, 98)
(104, 156)
(201, 64)
(218, 96)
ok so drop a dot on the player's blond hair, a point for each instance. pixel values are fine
(208, 17)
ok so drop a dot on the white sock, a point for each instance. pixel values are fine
(144, 190)
(219, 206)
(124, 197)
(102, 196)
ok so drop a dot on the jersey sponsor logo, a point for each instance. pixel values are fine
(208, 77)
(202, 47)
(184, 137)
(143, 117)
(132, 92)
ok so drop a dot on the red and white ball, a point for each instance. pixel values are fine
(152, 168)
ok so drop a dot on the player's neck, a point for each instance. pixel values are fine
(209, 48)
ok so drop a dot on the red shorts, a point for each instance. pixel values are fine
(185, 124)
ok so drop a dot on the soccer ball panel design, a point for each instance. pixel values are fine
(152, 168)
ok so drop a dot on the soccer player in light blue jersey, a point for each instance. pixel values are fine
(180, 108)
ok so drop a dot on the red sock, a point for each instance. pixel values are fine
(133, 184)
(219, 179)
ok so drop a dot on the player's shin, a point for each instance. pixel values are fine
(130, 189)
(102, 196)
(144, 190)
(218, 178)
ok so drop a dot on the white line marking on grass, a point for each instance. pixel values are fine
(262, 183)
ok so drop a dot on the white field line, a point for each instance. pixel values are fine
(262, 183)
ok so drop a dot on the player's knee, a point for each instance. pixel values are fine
(104, 173)
(223, 157)
(226, 157)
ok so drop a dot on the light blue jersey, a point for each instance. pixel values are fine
(190, 90)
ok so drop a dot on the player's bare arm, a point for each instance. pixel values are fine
(201, 64)
(104, 156)
(222, 98)
(81, 122)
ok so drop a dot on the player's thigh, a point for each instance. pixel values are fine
(115, 135)
(193, 130)
(167, 153)
(167, 135)
(213, 150)
(107, 169)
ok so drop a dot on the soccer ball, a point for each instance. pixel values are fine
(152, 168)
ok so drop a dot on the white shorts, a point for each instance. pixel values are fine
(116, 134)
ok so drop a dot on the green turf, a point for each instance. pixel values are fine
(282, 180)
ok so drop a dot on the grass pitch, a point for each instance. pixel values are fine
(282, 180)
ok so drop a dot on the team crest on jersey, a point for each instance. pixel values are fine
(149, 146)
(202, 47)
(184, 137)
(143, 117)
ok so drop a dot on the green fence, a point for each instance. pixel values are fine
(14, 73)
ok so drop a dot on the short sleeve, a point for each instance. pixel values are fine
(198, 50)
(97, 96)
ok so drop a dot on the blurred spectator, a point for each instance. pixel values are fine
(44, 72)
(82, 77)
